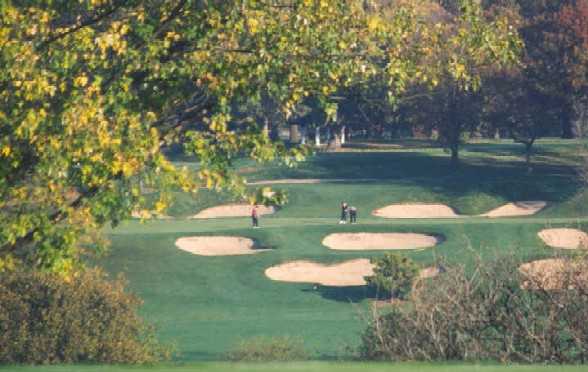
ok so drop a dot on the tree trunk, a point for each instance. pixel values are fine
(317, 136)
(580, 117)
(455, 155)
(266, 127)
(328, 135)
(335, 142)
(528, 154)
(567, 124)
(294, 133)
(303, 135)
(343, 135)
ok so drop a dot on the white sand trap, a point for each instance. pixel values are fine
(551, 274)
(218, 245)
(348, 273)
(375, 241)
(233, 210)
(416, 211)
(564, 238)
(521, 208)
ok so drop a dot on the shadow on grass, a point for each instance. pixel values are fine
(349, 294)
(506, 179)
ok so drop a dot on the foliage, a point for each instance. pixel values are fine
(92, 91)
(393, 275)
(264, 349)
(491, 312)
(88, 318)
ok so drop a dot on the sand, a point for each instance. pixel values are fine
(416, 211)
(551, 274)
(564, 238)
(233, 210)
(348, 273)
(218, 245)
(516, 209)
(379, 241)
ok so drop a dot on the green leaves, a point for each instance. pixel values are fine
(93, 91)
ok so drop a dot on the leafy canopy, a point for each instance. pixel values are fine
(92, 90)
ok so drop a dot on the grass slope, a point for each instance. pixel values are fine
(207, 304)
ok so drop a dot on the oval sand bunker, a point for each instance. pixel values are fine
(233, 210)
(379, 241)
(516, 209)
(348, 273)
(564, 238)
(416, 211)
(218, 245)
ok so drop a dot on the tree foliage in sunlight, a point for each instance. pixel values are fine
(92, 91)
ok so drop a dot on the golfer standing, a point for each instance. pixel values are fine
(254, 216)
(352, 214)
(344, 208)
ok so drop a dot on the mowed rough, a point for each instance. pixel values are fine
(379, 241)
(233, 210)
(564, 238)
(218, 245)
(416, 211)
(348, 273)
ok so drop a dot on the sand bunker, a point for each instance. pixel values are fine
(564, 238)
(521, 208)
(416, 211)
(218, 245)
(375, 241)
(233, 210)
(348, 273)
(551, 274)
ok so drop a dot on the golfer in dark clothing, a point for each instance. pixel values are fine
(254, 217)
(344, 209)
(352, 214)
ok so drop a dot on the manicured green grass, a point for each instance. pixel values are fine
(305, 367)
(205, 305)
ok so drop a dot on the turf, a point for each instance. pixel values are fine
(304, 367)
(205, 305)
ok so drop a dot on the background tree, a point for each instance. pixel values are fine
(91, 91)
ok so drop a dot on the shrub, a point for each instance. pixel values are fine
(393, 275)
(46, 319)
(264, 349)
(490, 313)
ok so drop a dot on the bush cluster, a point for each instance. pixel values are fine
(88, 318)
(490, 313)
(393, 275)
(267, 349)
